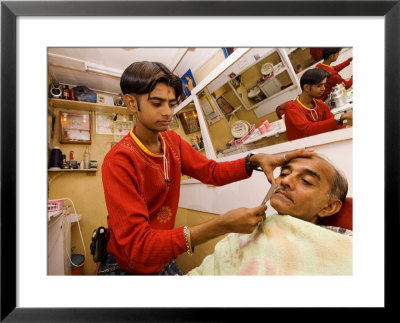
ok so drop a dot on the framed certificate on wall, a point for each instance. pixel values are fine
(75, 128)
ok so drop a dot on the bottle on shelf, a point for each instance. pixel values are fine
(72, 94)
(66, 94)
(86, 158)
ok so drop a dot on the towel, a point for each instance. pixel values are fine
(282, 245)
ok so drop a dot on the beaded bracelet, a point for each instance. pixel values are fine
(189, 248)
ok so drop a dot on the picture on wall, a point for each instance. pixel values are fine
(121, 128)
(207, 105)
(75, 128)
(104, 123)
(188, 84)
(190, 121)
(228, 50)
(224, 105)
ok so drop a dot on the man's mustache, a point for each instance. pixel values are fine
(284, 192)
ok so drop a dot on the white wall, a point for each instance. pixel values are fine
(250, 192)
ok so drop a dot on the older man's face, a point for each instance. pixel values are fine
(303, 187)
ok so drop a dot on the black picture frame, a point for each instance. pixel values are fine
(11, 10)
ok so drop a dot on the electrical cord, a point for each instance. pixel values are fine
(69, 227)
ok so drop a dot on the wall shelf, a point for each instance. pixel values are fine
(72, 170)
(86, 106)
(229, 116)
(59, 172)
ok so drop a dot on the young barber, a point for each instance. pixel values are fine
(141, 179)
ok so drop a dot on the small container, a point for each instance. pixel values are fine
(66, 93)
(262, 129)
(267, 125)
(55, 158)
(77, 264)
(55, 205)
(64, 164)
(72, 94)
(73, 164)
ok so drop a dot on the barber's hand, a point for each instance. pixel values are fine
(347, 116)
(268, 163)
(243, 220)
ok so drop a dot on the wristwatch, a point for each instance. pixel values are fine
(337, 118)
(249, 166)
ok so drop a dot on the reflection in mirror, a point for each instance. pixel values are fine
(186, 124)
(263, 80)
(245, 106)
(302, 58)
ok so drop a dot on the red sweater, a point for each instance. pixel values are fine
(335, 77)
(302, 122)
(142, 206)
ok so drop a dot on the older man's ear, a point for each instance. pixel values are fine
(333, 207)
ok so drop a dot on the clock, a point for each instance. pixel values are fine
(240, 129)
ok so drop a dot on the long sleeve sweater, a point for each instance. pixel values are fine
(302, 122)
(142, 205)
(335, 77)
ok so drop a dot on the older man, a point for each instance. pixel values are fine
(309, 188)
(291, 242)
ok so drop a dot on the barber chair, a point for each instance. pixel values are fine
(280, 109)
(342, 219)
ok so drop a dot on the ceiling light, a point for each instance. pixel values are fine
(90, 67)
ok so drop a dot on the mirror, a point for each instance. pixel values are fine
(302, 58)
(186, 124)
(266, 78)
(244, 105)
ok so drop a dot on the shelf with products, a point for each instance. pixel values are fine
(72, 170)
(86, 106)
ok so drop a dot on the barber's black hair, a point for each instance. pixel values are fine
(142, 77)
(313, 76)
(330, 51)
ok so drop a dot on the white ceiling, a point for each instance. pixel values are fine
(72, 65)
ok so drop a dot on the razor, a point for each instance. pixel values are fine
(271, 191)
